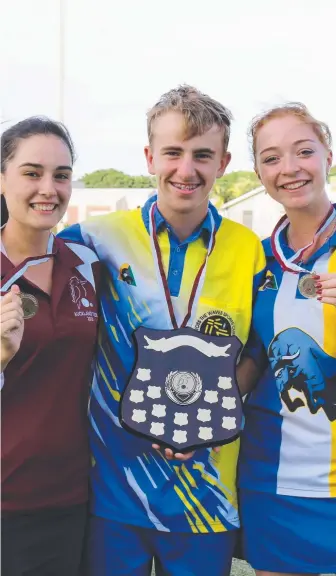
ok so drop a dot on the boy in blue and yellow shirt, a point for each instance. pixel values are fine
(182, 511)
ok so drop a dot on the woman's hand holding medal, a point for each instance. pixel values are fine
(326, 288)
(12, 325)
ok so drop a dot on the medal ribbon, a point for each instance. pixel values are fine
(32, 261)
(292, 264)
(161, 276)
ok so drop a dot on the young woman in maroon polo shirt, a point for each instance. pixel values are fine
(48, 334)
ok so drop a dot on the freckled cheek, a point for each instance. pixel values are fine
(269, 178)
(318, 170)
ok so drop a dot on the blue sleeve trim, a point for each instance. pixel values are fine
(255, 349)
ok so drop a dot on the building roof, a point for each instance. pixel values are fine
(112, 198)
(331, 191)
(243, 197)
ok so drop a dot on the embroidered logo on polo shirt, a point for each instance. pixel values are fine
(126, 275)
(216, 323)
(270, 282)
(79, 295)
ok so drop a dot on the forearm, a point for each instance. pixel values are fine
(248, 375)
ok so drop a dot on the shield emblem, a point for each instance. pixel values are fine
(183, 391)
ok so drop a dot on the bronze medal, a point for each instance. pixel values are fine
(30, 305)
(307, 286)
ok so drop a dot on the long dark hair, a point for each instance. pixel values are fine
(33, 126)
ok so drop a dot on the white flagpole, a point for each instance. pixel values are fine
(61, 59)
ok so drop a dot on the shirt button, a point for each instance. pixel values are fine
(175, 272)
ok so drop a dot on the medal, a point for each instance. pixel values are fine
(306, 284)
(30, 305)
(307, 287)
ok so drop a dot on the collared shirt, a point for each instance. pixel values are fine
(294, 337)
(179, 249)
(46, 385)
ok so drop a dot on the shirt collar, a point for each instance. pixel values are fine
(203, 230)
(62, 253)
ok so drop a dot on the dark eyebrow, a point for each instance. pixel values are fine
(197, 150)
(39, 166)
(205, 151)
(294, 144)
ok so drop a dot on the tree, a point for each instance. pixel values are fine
(234, 184)
(226, 188)
(111, 178)
(332, 172)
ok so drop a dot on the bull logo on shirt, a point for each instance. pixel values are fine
(299, 363)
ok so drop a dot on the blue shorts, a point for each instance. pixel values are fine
(289, 534)
(124, 550)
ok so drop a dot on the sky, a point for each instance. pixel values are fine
(120, 56)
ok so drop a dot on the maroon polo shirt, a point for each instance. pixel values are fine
(45, 458)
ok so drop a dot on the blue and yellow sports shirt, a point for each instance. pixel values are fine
(131, 482)
(289, 440)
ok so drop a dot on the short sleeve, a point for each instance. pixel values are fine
(255, 349)
(259, 268)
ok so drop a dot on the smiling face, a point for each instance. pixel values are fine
(185, 169)
(291, 161)
(37, 181)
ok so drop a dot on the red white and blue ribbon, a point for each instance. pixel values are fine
(293, 264)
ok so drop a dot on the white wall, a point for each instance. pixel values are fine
(95, 201)
(265, 212)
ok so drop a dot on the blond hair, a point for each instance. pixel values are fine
(199, 110)
(296, 109)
